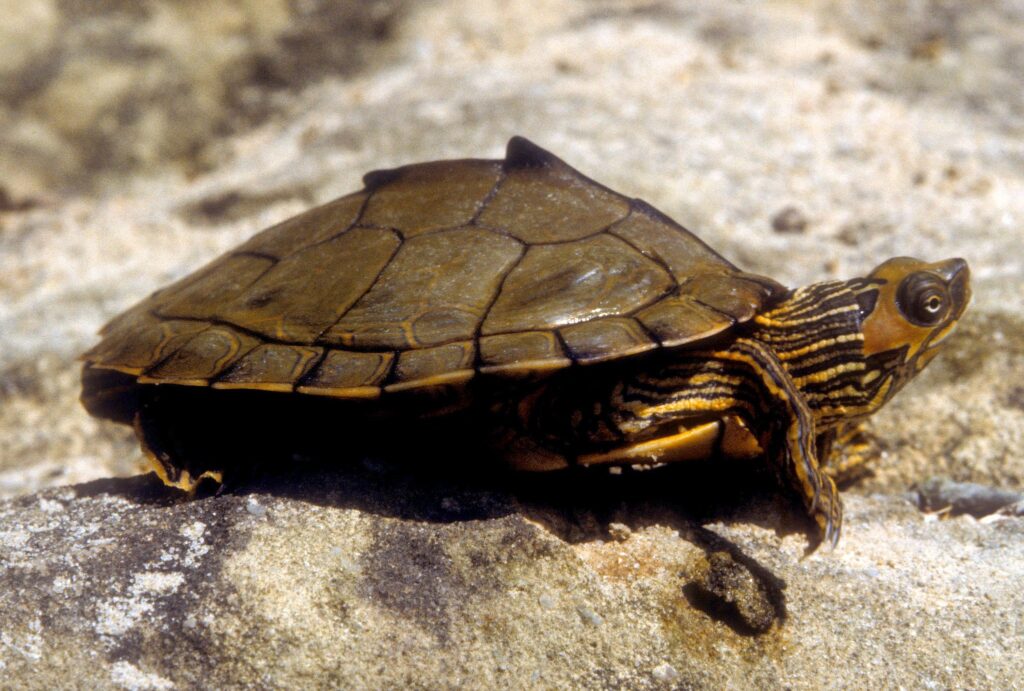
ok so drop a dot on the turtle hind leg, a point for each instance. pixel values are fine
(178, 436)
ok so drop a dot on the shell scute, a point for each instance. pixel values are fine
(680, 319)
(203, 294)
(303, 295)
(668, 243)
(606, 339)
(308, 228)
(524, 351)
(437, 288)
(558, 285)
(548, 201)
(203, 357)
(444, 364)
(348, 374)
(271, 367)
(431, 196)
(141, 342)
(729, 294)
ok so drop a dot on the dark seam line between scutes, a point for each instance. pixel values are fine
(168, 356)
(389, 376)
(478, 331)
(733, 320)
(383, 268)
(491, 193)
(308, 375)
(650, 334)
(565, 346)
(256, 255)
(352, 224)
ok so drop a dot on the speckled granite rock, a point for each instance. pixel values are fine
(805, 141)
(368, 580)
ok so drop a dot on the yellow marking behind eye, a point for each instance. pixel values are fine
(823, 344)
(787, 321)
(830, 373)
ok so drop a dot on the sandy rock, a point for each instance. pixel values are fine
(91, 92)
(356, 580)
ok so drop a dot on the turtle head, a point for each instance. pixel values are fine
(908, 308)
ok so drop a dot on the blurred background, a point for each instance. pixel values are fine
(805, 140)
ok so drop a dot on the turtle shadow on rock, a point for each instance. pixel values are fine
(578, 506)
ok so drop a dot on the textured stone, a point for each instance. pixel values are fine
(363, 578)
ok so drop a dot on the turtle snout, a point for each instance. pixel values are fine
(958, 277)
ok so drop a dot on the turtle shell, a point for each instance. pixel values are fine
(433, 274)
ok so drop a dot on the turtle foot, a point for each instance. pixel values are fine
(827, 512)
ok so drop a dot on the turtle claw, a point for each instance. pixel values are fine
(827, 511)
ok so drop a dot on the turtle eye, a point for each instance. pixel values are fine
(923, 300)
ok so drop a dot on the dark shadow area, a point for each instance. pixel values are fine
(145, 490)
(735, 589)
(439, 471)
(577, 505)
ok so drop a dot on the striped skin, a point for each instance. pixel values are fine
(789, 379)
(798, 372)
(789, 383)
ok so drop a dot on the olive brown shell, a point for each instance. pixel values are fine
(436, 273)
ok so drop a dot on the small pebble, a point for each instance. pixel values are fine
(619, 532)
(665, 672)
(254, 507)
(546, 601)
(589, 616)
(789, 220)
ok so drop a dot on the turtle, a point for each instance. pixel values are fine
(578, 326)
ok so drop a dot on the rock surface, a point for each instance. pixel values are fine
(872, 128)
(376, 581)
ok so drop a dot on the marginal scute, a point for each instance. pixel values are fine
(303, 295)
(430, 196)
(203, 357)
(679, 319)
(521, 352)
(204, 293)
(443, 364)
(558, 285)
(308, 228)
(348, 374)
(271, 367)
(436, 289)
(137, 345)
(606, 339)
(551, 203)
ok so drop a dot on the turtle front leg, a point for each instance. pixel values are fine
(797, 449)
(846, 453)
